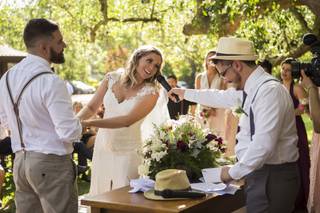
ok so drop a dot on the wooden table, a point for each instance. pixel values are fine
(120, 200)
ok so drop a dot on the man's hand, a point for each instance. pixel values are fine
(225, 177)
(178, 91)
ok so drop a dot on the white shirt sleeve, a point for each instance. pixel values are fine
(59, 105)
(214, 97)
(269, 110)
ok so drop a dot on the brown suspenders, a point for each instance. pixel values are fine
(16, 104)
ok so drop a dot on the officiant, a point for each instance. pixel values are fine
(180, 108)
(266, 146)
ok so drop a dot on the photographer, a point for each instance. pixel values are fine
(299, 99)
(314, 105)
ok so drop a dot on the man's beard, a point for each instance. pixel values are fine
(237, 82)
(57, 58)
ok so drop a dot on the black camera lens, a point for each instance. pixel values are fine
(312, 69)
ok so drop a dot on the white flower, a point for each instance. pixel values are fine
(158, 155)
(206, 131)
(163, 135)
(303, 101)
(156, 145)
(145, 150)
(212, 146)
(238, 110)
(143, 170)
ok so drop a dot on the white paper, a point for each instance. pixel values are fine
(231, 189)
(212, 175)
(141, 184)
(208, 187)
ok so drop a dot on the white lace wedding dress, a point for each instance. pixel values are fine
(115, 158)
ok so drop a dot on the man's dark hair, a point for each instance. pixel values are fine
(173, 77)
(36, 29)
(250, 63)
(266, 65)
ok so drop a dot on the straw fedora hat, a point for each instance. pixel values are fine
(231, 48)
(172, 184)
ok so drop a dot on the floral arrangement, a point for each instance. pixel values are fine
(181, 144)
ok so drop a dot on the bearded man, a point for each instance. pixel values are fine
(266, 146)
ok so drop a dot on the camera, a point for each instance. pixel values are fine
(311, 69)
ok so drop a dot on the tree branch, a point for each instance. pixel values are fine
(302, 49)
(104, 9)
(106, 19)
(135, 20)
(94, 29)
(301, 19)
(201, 24)
(313, 5)
(152, 11)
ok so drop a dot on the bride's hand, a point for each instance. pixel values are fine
(85, 123)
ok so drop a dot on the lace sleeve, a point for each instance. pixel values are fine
(112, 77)
(147, 90)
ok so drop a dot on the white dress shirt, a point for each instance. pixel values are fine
(275, 139)
(48, 122)
(3, 132)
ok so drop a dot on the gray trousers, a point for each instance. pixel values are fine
(273, 188)
(45, 183)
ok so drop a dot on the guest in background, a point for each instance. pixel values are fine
(209, 79)
(299, 97)
(5, 143)
(84, 148)
(231, 124)
(314, 105)
(266, 65)
(177, 108)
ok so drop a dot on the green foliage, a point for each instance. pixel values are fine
(93, 32)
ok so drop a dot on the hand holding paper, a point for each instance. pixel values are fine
(212, 175)
(216, 175)
(225, 176)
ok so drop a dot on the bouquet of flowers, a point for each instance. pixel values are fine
(181, 144)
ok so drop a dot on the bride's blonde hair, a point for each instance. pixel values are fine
(129, 78)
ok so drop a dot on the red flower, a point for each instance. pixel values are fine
(219, 140)
(182, 146)
(210, 137)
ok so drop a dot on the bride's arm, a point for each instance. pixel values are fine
(90, 109)
(139, 111)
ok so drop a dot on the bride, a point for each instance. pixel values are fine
(128, 95)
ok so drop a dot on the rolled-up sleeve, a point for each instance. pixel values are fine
(59, 105)
(214, 97)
